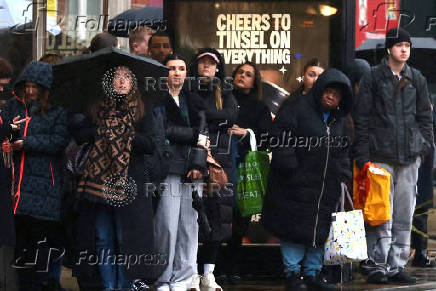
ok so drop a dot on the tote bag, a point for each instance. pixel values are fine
(252, 180)
(346, 242)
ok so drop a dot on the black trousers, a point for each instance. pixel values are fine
(232, 253)
(39, 247)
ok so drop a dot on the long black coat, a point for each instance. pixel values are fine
(7, 229)
(304, 182)
(136, 218)
(253, 114)
(219, 207)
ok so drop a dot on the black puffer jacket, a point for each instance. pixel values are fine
(304, 182)
(393, 119)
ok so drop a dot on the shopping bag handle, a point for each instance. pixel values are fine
(344, 194)
(253, 145)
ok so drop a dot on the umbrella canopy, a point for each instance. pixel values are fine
(131, 19)
(273, 96)
(78, 79)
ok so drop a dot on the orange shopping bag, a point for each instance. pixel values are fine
(371, 191)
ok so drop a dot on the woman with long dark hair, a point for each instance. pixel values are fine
(115, 214)
(253, 114)
(38, 150)
(220, 107)
(312, 69)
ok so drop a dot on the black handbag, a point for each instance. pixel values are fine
(76, 158)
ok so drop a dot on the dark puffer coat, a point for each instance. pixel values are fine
(304, 182)
(39, 173)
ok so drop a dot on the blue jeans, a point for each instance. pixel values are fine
(297, 255)
(108, 237)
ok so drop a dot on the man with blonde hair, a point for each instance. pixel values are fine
(138, 40)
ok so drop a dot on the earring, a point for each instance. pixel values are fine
(389, 51)
(217, 70)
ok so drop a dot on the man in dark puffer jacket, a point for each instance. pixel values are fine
(393, 123)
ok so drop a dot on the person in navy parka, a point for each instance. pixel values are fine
(38, 150)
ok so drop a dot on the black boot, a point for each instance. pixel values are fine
(422, 260)
(295, 283)
(317, 283)
(51, 286)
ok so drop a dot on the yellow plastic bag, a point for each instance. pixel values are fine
(371, 191)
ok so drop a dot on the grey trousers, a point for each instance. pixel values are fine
(176, 232)
(389, 243)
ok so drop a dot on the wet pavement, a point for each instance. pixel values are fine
(426, 277)
(426, 281)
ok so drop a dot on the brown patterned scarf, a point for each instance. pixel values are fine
(109, 157)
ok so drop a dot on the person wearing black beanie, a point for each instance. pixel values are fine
(394, 130)
(397, 35)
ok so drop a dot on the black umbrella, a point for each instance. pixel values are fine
(273, 96)
(131, 19)
(77, 79)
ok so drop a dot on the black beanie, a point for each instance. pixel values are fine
(396, 35)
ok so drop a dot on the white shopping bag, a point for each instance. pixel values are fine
(346, 242)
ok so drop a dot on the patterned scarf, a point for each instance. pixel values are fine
(106, 171)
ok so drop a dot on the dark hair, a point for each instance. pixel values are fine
(160, 33)
(51, 58)
(315, 62)
(257, 86)
(43, 94)
(6, 70)
(173, 57)
(102, 40)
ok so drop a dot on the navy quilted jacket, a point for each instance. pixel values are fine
(39, 167)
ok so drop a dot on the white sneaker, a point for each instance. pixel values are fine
(162, 287)
(195, 284)
(209, 284)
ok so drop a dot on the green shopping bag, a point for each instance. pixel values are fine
(252, 180)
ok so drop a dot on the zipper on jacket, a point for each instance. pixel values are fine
(52, 176)
(323, 183)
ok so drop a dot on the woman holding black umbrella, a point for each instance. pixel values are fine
(115, 214)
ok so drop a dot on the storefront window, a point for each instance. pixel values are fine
(279, 36)
(16, 32)
(72, 24)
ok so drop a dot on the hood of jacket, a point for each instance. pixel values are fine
(336, 79)
(37, 72)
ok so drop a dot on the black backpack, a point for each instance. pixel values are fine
(157, 164)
